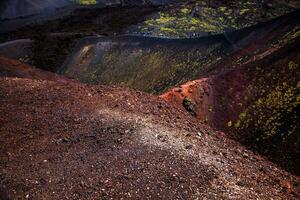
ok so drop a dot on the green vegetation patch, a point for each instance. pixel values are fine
(275, 113)
(188, 20)
(86, 2)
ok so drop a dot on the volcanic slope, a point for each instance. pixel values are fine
(156, 64)
(256, 102)
(61, 141)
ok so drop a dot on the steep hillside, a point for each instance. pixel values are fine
(88, 142)
(156, 64)
(256, 103)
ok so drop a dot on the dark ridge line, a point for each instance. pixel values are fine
(67, 9)
(225, 38)
(292, 18)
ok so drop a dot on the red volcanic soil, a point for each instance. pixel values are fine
(202, 98)
(14, 68)
(75, 141)
(224, 99)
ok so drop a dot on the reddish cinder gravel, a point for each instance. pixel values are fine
(75, 141)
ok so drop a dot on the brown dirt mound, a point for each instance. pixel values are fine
(61, 141)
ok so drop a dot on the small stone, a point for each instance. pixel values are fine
(177, 90)
(127, 131)
(63, 140)
(161, 138)
(199, 135)
(245, 155)
(190, 146)
(120, 141)
(188, 135)
(241, 183)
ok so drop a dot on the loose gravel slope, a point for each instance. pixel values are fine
(74, 141)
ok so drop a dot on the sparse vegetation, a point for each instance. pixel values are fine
(86, 2)
(201, 17)
(275, 114)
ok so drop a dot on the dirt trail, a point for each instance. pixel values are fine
(74, 141)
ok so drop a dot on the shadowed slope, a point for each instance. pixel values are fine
(154, 64)
(14, 68)
(11, 9)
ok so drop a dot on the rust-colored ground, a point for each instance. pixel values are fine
(74, 141)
